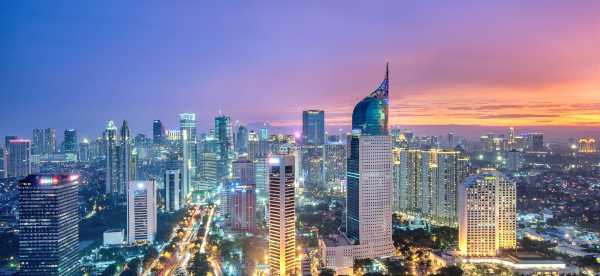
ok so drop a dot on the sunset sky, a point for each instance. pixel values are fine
(468, 64)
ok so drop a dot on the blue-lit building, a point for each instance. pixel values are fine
(49, 225)
(369, 176)
(224, 135)
(313, 141)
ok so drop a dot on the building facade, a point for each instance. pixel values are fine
(19, 158)
(487, 215)
(282, 216)
(49, 225)
(141, 212)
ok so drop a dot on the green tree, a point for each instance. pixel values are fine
(450, 270)
(111, 270)
(198, 266)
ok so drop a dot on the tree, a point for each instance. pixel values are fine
(198, 266)
(450, 270)
(111, 270)
(395, 267)
(327, 272)
(150, 256)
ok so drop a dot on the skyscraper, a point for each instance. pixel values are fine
(282, 216)
(173, 191)
(243, 169)
(49, 225)
(369, 180)
(70, 142)
(369, 186)
(313, 140)
(241, 141)
(84, 152)
(44, 141)
(224, 135)
(335, 163)
(487, 214)
(253, 145)
(535, 142)
(126, 168)
(158, 132)
(141, 212)
(187, 126)
(111, 140)
(19, 158)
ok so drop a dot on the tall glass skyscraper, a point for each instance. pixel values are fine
(70, 142)
(313, 140)
(158, 132)
(19, 158)
(369, 177)
(49, 225)
(44, 141)
(187, 126)
(224, 135)
(241, 140)
(112, 157)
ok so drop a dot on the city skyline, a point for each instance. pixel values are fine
(92, 62)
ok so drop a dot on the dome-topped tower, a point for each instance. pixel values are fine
(370, 116)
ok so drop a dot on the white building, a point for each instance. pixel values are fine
(487, 215)
(113, 237)
(141, 212)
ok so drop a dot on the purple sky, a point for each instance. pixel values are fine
(78, 64)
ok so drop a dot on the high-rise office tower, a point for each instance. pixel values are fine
(313, 140)
(261, 169)
(224, 135)
(126, 168)
(84, 152)
(44, 141)
(243, 202)
(510, 141)
(141, 212)
(70, 142)
(49, 225)
(241, 141)
(282, 216)
(187, 126)
(586, 145)
(19, 158)
(369, 179)
(158, 132)
(243, 169)
(173, 191)
(535, 142)
(487, 214)
(253, 145)
(264, 143)
(111, 140)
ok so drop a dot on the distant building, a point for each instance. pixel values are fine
(141, 212)
(535, 142)
(70, 142)
(487, 215)
(587, 145)
(282, 216)
(158, 132)
(111, 140)
(514, 160)
(187, 127)
(335, 164)
(243, 169)
(44, 141)
(224, 136)
(49, 225)
(426, 183)
(19, 158)
(313, 142)
(126, 169)
(241, 141)
(174, 197)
